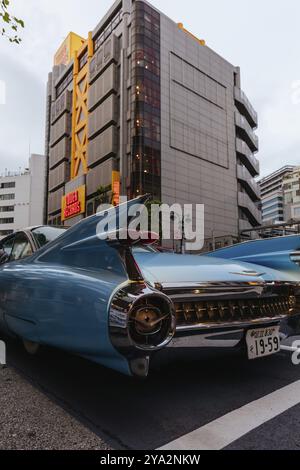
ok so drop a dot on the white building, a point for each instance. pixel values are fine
(22, 197)
(291, 191)
(272, 195)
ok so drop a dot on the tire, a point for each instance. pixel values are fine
(31, 348)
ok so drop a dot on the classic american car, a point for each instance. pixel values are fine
(118, 302)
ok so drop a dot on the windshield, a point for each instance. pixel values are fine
(45, 235)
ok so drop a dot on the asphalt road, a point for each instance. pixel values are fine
(179, 397)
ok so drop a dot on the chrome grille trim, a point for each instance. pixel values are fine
(237, 311)
(222, 305)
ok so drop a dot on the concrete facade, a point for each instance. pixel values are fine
(199, 163)
(166, 112)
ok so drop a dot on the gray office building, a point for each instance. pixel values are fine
(144, 106)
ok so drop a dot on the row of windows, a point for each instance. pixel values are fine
(272, 214)
(273, 207)
(151, 30)
(141, 74)
(148, 127)
(7, 220)
(144, 91)
(290, 186)
(146, 119)
(146, 164)
(8, 185)
(56, 221)
(145, 12)
(64, 84)
(104, 34)
(143, 41)
(146, 53)
(140, 65)
(99, 59)
(7, 197)
(7, 208)
(145, 36)
(83, 60)
(142, 142)
(147, 107)
(273, 200)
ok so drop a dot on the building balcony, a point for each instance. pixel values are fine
(248, 183)
(245, 132)
(247, 157)
(245, 107)
(249, 208)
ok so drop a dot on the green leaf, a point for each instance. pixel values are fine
(14, 22)
(6, 17)
(20, 22)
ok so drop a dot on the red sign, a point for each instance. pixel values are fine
(116, 193)
(73, 205)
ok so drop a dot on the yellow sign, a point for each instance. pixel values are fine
(116, 187)
(73, 204)
(200, 41)
(67, 50)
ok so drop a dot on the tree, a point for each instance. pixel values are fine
(10, 22)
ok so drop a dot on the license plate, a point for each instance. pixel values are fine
(263, 342)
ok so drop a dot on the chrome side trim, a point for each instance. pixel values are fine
(210, 290)
(221, 339)
(202, 327)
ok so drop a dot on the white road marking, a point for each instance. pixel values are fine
(229, 428)
(289, 349)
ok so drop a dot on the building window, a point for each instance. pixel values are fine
(56, 221)
(105, 32)
(146, 114)
(8, 220)
(83, 60)
(8, 185)
(64, 84)
(7, 208)
(3, 233)
(7, 197)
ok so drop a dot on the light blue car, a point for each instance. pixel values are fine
(118, 303)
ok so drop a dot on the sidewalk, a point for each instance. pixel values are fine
(30, 421)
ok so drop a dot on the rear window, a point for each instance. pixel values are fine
(45, 235)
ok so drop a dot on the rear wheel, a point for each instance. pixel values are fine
(31, 347)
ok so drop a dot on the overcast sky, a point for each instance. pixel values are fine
(262, 37)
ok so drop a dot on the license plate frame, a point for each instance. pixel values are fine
(263, 342)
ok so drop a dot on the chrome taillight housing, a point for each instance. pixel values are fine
(141, 319)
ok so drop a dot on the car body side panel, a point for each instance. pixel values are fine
(173, 268)
(273, 253)
(63, 307)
